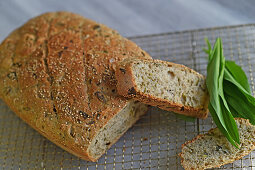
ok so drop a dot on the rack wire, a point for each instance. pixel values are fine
(155, 140)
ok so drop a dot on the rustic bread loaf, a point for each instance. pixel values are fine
(169, 86)
(57, 74)
(212, 150)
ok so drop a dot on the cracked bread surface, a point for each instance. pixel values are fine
(212, 150)
(57, 74)
(167, 85)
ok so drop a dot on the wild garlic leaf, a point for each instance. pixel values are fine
(234, 112)
(218, 106)
(230, 78)
(219, 125)
(230, 123)
(230, 93)
(239, 101)
(221, 58)
(214, 72)
(238, 74)
(227, 116)
(207, 51)
(212, 79)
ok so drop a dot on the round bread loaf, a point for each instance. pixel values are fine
(57, 74)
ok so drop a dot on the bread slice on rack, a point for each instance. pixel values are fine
(167, 85)
(212, 150)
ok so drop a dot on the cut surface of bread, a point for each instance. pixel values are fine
(166, 85)
(57, 74)
(212, 150)
(119, 124)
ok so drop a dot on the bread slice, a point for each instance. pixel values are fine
(167, 85)
(57, 74)
(212, 150)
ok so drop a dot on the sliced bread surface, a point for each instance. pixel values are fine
(167, 85)
(212, 150)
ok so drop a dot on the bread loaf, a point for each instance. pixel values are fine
(57, 74)
(167, 85)
(212, 150)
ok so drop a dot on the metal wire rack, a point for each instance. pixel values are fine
(154, 141)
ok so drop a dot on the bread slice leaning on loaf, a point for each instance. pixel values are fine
(167, 85)
(57, 74)
(212, 150)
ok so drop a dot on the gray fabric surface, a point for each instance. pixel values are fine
(155, 140)
(134, 17)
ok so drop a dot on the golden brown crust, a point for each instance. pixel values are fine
(127, 87)
(57, 74)
(187, 167)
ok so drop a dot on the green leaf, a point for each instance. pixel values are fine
(230, 123)
(219, 125)
(230, 78)
(221, 72)
(207, 51)
(238, 74)
(218, 106)
(215, 79)
(212, 79)
(233, 111)
(239, 101)
(230, 93)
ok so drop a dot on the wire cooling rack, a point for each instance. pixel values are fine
(154, 141)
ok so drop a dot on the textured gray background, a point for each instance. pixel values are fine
(155, 140)
(135, 17)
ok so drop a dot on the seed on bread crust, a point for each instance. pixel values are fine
(131, 91)
(100, 96)
(123, 70)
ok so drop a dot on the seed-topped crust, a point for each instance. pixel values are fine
(57, 74)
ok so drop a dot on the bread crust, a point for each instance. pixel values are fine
(57, 74)
(127, 87)
(187, 167)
